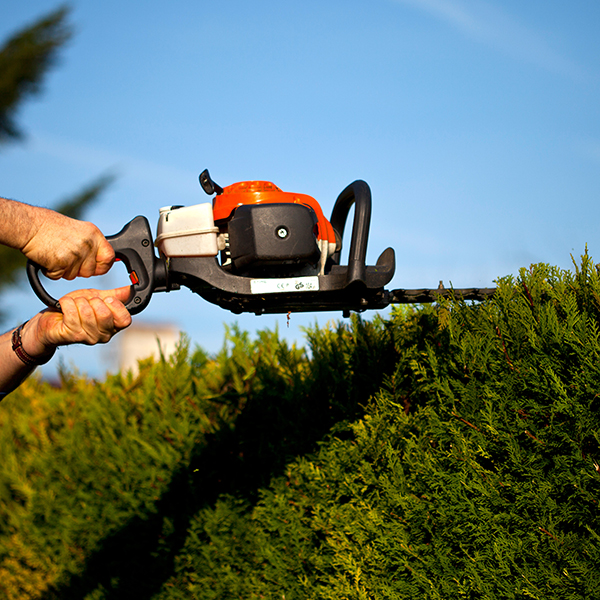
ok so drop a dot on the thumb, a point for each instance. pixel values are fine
(122, 293)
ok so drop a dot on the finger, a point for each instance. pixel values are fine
(118, 297)
(68, 328)
(107, 317)
(105, 257)
(72, 264)
(87, 267)
(85, 293)
(121, 294)
(88, 324)
(51, 326)
(85, 319)
(99, 260)
(121, 316)
(101, 327)
(72, 270)
(94, 322)
(54, 274)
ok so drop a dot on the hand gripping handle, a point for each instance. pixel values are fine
(133, 245)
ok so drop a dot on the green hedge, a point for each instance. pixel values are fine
(78, 463)
(448, 451)
(99, 480)
(472, 473)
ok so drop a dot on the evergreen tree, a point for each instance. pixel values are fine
(25, 59)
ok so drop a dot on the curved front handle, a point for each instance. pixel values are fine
(133, 245)
(33, 274)
(357, 194)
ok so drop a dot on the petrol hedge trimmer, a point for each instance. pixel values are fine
(258, 249)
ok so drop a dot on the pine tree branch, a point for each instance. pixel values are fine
(75, 206)
(24, 60)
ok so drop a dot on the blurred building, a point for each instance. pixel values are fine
(142, 340)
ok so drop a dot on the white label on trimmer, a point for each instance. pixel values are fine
(290, 284)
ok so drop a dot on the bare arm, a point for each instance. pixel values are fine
(64, 247)
(88, 317)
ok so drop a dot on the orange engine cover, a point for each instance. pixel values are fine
(265, 192)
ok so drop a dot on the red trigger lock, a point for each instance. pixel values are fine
(134, 278)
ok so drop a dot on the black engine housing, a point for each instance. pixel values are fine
(273, 239)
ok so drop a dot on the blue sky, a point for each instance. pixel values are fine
(476, 124)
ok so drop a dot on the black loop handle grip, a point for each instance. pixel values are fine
(33, 270)
(358, 194)
(134, 246)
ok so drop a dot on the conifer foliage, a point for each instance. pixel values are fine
(81, 462)
(473, 473)
(24, 60)
(445, 452)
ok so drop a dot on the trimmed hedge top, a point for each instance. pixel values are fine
(444, 452)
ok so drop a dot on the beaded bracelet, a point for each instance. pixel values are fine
(17, 346)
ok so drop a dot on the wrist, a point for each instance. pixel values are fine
(26, 345)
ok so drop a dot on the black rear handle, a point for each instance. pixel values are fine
(134, 246)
